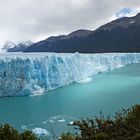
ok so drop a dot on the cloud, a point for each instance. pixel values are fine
(38, 19)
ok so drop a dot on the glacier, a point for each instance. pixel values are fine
(33, 74)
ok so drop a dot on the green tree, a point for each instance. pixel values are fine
(9, 133)
(124, 126)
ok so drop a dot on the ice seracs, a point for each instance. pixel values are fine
(33, 74)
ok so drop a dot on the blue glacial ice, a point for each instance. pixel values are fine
(33, 74)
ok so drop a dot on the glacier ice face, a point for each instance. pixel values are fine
(32, 74)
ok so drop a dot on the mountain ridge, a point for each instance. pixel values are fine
(120, 35)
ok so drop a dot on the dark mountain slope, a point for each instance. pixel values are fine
(121, 35)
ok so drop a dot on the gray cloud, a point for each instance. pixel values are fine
(38, 19)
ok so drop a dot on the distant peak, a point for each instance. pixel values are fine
(123, 22)
(8, 44)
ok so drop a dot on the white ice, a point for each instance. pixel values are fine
(32, 74)
(40, 131)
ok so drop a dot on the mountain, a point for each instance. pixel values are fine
(123, 22)
(12, 47)
(51, 43)
(121, 35)
(79, 34)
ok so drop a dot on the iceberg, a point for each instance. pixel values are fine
(33, 74)
(40, 132)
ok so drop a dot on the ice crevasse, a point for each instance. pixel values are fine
(33, 74)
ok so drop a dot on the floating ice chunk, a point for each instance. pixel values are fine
(57, 119)
(87, 80)
(23, 127)
(61, 120)
(71, 123)
(40, 132)
(51, 121)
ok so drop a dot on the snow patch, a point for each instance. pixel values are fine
(131, 22)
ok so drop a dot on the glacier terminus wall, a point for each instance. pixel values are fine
(35, 73)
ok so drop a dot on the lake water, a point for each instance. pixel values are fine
(109, 92)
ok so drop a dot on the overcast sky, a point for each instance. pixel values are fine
(34, 20)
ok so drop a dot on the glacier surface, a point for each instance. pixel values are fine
(33, 74)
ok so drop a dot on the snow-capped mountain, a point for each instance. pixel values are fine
(124, 22)
(121, 35)
(10, 46)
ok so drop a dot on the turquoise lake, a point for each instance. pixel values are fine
(109, 92)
